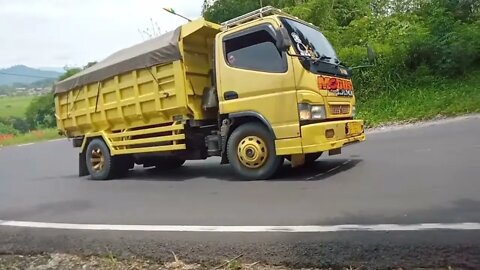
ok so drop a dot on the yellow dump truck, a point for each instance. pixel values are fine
(255, 90)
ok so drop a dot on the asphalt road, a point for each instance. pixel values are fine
(417, 175)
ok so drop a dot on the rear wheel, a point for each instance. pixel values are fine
(251, 152)
(99, 161)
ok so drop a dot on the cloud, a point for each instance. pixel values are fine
(59, 33)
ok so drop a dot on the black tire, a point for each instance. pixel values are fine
(98, 149)
(271, 163)
(169, 163)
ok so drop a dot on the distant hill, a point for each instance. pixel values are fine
(21, 74)
(56, 69)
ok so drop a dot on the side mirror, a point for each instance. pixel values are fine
(283, 40)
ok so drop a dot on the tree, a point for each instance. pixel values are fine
(41, 112)
(69, 73)
(222, 10)
(20, 124)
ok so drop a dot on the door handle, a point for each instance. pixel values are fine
(229, 95)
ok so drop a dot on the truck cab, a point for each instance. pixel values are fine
(276, 72)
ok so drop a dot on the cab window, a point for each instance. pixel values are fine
(254, 51)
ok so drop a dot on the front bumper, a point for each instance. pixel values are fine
(314, 136)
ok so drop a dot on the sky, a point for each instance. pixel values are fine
(59, 33)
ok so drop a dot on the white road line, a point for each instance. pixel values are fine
(315, 176)
(56, 140)
(32, 143)
(333, 169)
(346, 162)
(25, 144)
(244, 229)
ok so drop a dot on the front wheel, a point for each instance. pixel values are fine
(251, 152)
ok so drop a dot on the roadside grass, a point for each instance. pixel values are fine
(76, 262)
(34, 136)
(435, 99)
(14, 106)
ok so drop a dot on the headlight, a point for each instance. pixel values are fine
(311, 112)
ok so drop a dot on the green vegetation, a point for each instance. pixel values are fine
(14, 106)
(448, 97)
(428, 51)
(41, 112)
(29, 118)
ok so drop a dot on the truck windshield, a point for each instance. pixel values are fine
(310, 42)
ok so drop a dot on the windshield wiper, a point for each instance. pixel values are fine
(322, 58)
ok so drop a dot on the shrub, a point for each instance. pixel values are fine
(6, 129)
(41, 112)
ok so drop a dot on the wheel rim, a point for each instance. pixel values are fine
(97, 160)
(252, 152)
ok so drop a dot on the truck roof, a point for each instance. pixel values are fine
(162, 49)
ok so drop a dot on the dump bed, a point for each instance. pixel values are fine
(149, 84)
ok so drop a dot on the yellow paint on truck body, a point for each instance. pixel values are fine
(144, 99)
(272, 95)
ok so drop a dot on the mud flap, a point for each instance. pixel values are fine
(334, 152)
(297, 160)
(82, 165)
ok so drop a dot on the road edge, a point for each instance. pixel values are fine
(421, 124)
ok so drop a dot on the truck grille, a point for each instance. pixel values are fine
(339, 109)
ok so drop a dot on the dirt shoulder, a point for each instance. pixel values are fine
(109, 262)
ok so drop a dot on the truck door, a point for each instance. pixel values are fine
(254, 77)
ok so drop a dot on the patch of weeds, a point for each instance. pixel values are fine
(422, 102)
(235, 265)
